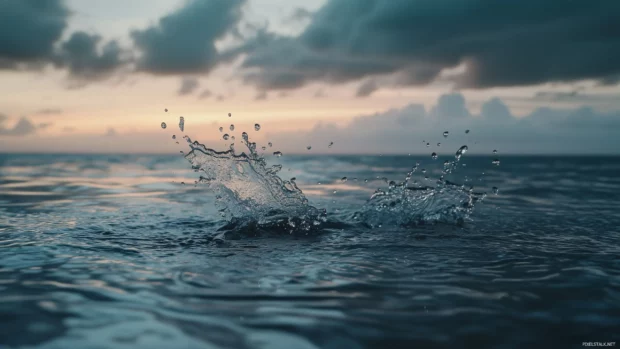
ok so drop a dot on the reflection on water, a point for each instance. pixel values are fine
(114, 252)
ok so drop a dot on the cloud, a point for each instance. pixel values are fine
(29, 29)
(22, 128)
(261, 96)
(367, 88)
(49, 111)
(545, 130)
(517, 43)
(84, 60)
(188, 86)
(205, 94)
(183, 42)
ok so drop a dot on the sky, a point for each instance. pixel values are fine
(372, 76)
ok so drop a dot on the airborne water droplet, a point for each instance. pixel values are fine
(229, 114)
(263, 147)
(343, 179)
(163, 125)
(181, 123)
(225, 136)
(495, 162)
(434, 156)
(232, 127)
(462, 150)
(439, 144)
(309, 147)
(277, 153)
(466, 131)
(174, 137)
(445, 134)
(428, 145)
(257, 127)
(495, 190)
(494, 151)
(221, 129)
(270, 144)
(330, 144)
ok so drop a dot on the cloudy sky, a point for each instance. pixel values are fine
(373, 76)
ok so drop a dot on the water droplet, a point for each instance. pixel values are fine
(221, 129)
(232, 127)
(495, 162)
(233, 138)
(365, 181)
(335, 191)
(466, 131)
(330, 144)
(166, 110)
(445, 134)
(494, 151)
(181, 123)
(439, 144)
(423, 170)
(434, 156)
(225, 136)
(309, 147)
(495, 190)
(270, 144)
(174, 137)
(256, 127)
(277, 153)
(244, 135)
(163, 125)
(428, 145)
(229, 114)
(263, 147)
(343, 179)
(462, 150)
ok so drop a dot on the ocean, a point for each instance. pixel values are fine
(140, 251)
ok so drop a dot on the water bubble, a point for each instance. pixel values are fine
(221, 129)
(229, 114)
(439, 144)
(330, 144)
(163, 125)
(445, 134)
(343, 179)
(495, 162)
(309, 147)
(462, 150)
(434, 156)
(181, 123)
(256, 127)
(466, 131)
(232, 127)
(494, 151)
(277, 153)
(174, 137)
(495, 190)
(270, 144)
(225, 136)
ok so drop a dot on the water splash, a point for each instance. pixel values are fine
(249, 193)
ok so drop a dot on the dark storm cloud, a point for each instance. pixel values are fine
(501, 43)
(188, 86)
(184, 41)
(22, 128)
(83, 59)
(367, 88)
(29, 29)
(544, 130)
